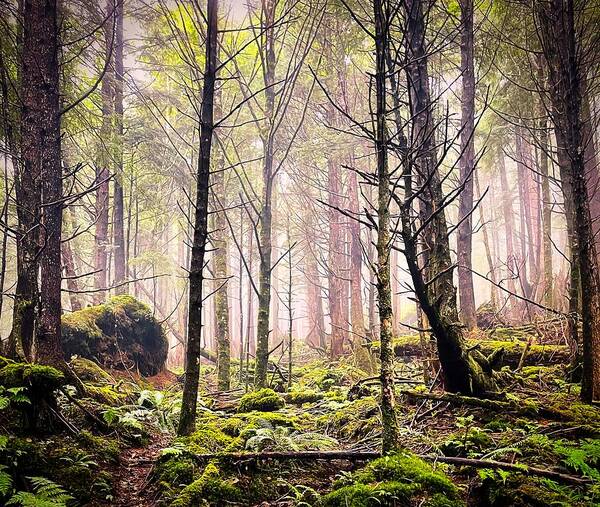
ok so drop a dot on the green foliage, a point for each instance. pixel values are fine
(263, 400)
(13, 396)
(399, 479)
(284, 439)
(35, 377)
(46, 494)
(352, 420)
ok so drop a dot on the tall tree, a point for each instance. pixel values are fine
(561, 46)
(265, 247)
(381, 11)
(41, 152)
(119, 205)
(187, 419)
(467, 167)
(103, 162)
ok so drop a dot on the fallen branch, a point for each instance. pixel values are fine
(368, 455)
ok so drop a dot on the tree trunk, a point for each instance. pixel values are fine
(509, 225)
(546, 198)
(335, 264)
(119, 206)
(265, 219)
(437, 295)
(467, 169)
(221, 275)
(40, 137)
(559, 46)
(362, 355)
(384, 290)
(187, 419)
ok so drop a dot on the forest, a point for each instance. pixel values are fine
(327, 253)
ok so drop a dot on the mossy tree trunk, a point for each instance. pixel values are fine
(265, 246)
(221, 276)
(560, 46)
(103, 162)
(187, 419)
(384, 289)
(433, 283)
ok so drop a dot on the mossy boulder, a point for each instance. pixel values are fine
(262, 400)
(304, 396)
(89, 371)
(398, 479)
(209, 490)
(36, 378)
(121, 334)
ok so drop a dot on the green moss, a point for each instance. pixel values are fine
(120, 333)
(353, 420)
(206, 440)
(263, 400)
(89, 371)
(174, 472)
(399, 479)
(33, 376)
(305, 396)
(210, 489)
(105, 447)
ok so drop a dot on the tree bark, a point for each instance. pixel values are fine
(265, 247)
(41, 152)
(119, 206)
(467, 168)
(187, 419)
(221, 275)
(335, 264)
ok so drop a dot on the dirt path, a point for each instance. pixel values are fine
(132, 475)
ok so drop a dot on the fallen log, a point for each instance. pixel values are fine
(368, 455)
(489, 404)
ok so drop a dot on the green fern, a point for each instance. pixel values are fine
(6, 481)
(46, 494)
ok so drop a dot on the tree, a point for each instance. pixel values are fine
(41, 152)
(467, 167)
(187, 419)
(561, 46)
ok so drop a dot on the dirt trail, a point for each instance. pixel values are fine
(132, 475)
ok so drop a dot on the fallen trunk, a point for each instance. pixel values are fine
(368, 455)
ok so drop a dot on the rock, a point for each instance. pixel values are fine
(121, 334)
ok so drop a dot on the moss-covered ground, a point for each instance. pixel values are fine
(117, 444)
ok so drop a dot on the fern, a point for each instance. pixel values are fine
(283, 439)
(46, 494)
(6, 481)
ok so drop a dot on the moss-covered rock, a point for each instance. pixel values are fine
(121, 333)
(305, 396)
(353, 420)
(89, 371)
(399, 479)
(263, 400)
(210, 489)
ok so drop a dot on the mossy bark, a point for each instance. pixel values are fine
(384, 289)
(221, 276)
(265, 246)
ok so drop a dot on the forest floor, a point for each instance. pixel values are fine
(118, 445)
